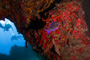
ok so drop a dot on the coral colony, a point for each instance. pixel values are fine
(66, 40)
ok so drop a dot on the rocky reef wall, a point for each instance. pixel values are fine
(70, 41)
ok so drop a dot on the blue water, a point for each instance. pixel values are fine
(14, 49)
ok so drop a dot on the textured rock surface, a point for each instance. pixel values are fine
(69, 42)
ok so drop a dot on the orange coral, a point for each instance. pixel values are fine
(32, 6)
(23, 10)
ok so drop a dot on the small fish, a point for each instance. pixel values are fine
(26, 44)
(53, 26)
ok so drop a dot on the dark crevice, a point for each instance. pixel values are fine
(52, 5)
(68, 42)
(53, 50)
(38, 23)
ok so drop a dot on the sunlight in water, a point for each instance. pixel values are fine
(5, 36)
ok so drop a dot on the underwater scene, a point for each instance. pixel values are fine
(12, 43)
(44, 29)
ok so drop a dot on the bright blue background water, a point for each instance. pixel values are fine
(12, 48)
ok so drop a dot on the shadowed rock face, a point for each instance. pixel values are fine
(86, 8)
(69, 42)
